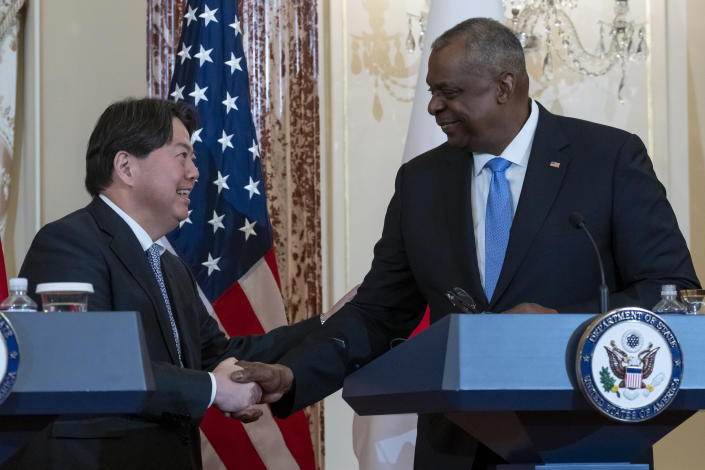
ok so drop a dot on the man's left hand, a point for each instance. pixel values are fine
(528, 307)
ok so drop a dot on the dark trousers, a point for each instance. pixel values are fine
(440, 443)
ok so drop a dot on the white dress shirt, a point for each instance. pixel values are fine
(146, 242)
(517, 152)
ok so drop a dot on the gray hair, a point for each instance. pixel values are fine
(489, 44)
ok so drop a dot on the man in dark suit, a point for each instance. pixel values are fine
(140, 171)
(488, 211)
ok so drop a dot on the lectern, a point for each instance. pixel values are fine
(73, 363)
(509, 381)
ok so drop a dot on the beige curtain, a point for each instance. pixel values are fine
(281, 46)
(9, 30)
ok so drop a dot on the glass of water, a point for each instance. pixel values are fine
(64, 296)
(694, 299)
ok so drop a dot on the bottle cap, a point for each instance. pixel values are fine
(668, 289)
(64, 287)
(18, 283)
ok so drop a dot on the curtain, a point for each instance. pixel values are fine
(9, 30)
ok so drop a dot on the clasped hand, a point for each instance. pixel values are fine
(241, 385)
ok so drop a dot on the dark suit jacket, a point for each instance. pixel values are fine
(95, 245)
(428, 246)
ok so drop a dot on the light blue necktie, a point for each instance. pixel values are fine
(154, 260)
(498, 222)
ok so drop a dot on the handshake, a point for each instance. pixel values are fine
(241, 385)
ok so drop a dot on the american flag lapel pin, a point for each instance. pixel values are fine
(555, 164)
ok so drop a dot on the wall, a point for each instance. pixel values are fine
(92, 54)
(683, 447)
(696, 132)
(79, 57)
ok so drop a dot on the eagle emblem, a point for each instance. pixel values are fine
(629, 364)
(9, 357)
(632, 370)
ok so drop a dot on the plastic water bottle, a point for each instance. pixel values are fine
(669, 302)
(18, 300)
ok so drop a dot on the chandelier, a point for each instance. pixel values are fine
(415, 22)
(620, 41)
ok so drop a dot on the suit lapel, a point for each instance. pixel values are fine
(128, 250)
(457, 187)
(548, 163)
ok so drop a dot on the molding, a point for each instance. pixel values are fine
(34, 10)
(676, 55)
(346, 143)
(668, 105)
(324, 95)
(335, 168)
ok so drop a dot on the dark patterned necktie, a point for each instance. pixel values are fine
(154, 260)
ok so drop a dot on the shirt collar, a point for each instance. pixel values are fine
(519, 148)
(141, 234)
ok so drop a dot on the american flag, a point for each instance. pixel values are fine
(227, 238)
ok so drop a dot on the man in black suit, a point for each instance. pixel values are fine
(140, 170)
(488, 211)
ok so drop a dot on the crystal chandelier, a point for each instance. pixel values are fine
(415, 22)
(536, 21)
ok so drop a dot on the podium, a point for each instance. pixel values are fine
(509, 381)
(73, 363)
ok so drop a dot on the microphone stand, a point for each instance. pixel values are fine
(578, 222)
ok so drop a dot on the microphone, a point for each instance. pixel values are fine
(462, 300)
(577, 221)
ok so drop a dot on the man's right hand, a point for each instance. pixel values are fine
(274, 379)
(235, 399)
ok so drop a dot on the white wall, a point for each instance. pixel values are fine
(79, 57)
(683, 447)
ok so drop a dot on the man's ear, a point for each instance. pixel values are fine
(506, 85)
(123, 167)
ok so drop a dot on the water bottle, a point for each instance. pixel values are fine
(18, 300)
(669, 302)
